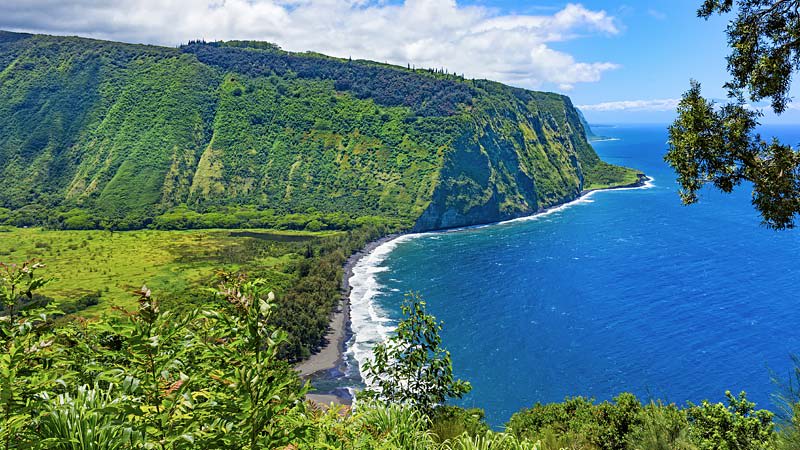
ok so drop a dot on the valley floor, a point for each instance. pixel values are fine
(107, 266)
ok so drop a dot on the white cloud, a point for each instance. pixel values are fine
(476, 41)
(656, 14)
(667, 104)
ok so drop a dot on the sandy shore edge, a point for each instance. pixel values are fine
(330, 358)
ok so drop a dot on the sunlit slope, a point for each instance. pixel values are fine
(129, 132)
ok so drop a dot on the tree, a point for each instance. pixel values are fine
(25, 339)
(412, 367)
(719, 145)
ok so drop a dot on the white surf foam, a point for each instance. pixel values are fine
(578, 201)
(582, 200)
(593, 141)
(369, 322)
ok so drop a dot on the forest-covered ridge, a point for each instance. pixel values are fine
(98, 134)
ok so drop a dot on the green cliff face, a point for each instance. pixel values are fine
(130, 133)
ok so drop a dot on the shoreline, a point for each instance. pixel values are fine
(640, 183)
(329, 362)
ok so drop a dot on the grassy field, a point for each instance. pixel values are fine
(604, 176)
(173, 264)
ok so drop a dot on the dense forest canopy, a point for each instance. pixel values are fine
(97, 134)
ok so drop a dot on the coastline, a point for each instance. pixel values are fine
(329, 362)
(642, 182)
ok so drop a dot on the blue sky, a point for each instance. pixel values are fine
(660, 47)
(622, 61)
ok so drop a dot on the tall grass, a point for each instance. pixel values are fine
(662, 428)
(490, 441)
(91, 419)
(399, 426)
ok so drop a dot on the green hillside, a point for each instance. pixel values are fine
(97, 134)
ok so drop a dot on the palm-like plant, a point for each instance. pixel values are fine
(396, 425)
(490, 441)
(91, 419)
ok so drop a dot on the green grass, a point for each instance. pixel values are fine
(169, 262)
(104, 135)
(605, 176)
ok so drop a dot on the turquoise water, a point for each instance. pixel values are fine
(624, 291)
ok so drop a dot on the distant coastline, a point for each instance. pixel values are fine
(329, 362)
(643, 181)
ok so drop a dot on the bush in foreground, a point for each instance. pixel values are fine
(212, 379)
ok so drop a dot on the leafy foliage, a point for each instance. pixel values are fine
(603, 426)
(402, 426)
(625, 424)
(93, 418)
(154, 349)
(412, 368)
(201, 380)
(25, 341)
(738, 425)
(764, 47)
(304, 270)
(268, 138)
(423, 91)
(213, 378)
(261, 389)
(492, 440)
(450, 422)
(720, 145)
(662, 427)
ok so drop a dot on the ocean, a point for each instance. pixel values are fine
(619, 291)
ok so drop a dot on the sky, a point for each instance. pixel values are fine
(619, 61)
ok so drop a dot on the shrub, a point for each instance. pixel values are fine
(82, 221)
(315, 225)
(81, 303)
(400, 426)
(605, 425)
(449, 422)
(93, 418)
(24, 342)
(714, 426)
(661, 428)
(490, 441)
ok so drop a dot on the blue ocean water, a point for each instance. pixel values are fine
(624, 291)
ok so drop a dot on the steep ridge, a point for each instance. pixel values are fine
(96, 133)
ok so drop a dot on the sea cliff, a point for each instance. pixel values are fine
(98, 134)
